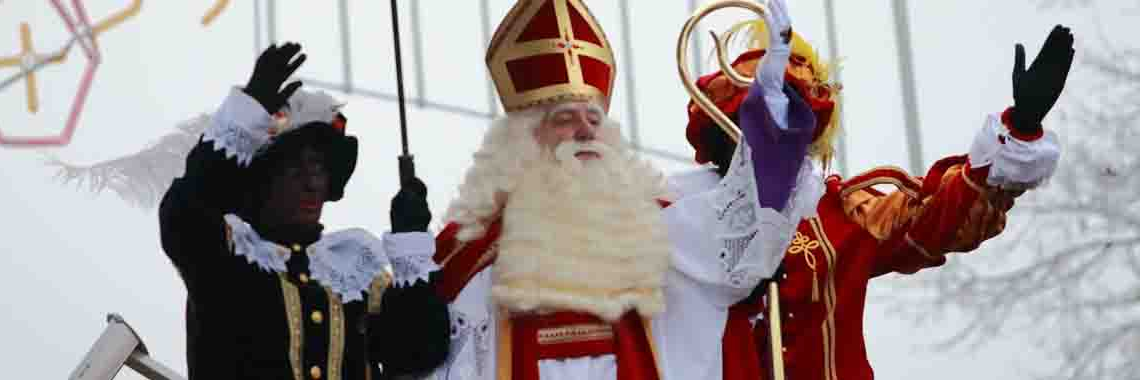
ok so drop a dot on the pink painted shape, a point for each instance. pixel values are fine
(86, 22)
(90, 50)
(93, 61)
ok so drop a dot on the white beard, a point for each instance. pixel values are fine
(584, 236)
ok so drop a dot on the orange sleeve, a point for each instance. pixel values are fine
(950, 212)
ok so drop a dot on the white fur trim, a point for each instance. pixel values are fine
(411, 256)
(1014, 164)
(240, 127)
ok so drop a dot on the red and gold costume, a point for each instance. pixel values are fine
(861, 232)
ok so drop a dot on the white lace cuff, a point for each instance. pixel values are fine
(347, 261)
(411, 256)
(1014, 164)
(240, 127)
(245, 242)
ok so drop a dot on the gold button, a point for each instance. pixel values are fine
(317, 317)
(296, 247)
(791, 315)
(785, 350)
(315, 372)
(304, 278)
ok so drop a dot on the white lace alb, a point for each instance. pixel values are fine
(751, 239)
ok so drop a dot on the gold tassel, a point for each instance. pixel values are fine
(814, 287)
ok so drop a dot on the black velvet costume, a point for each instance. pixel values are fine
(238, 315)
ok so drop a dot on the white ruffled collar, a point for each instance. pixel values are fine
(345, 261)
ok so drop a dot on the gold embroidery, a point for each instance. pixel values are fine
(645, 322)
(918, 248)
(829, 302)
(803, 244)
(575, 333)
(376, 291)
(504, 350)
(293, 316)
(336, 334)
(907, 188)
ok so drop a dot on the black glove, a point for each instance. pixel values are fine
(1036, 90)
(272, 69)
(409, 212)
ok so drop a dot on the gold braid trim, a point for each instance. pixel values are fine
(292, 300)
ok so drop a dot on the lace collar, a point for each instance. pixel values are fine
(345, 261)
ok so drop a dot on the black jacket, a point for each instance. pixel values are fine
(243, 322)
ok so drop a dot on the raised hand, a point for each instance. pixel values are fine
(770, 71)
(1035, 90)
(410, 212)
(272, 69)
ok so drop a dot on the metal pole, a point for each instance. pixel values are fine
(698, 65)
(417, 49)
(257, 28)
(271, 15)
(909, 93)
(630, 84)
(399, 77)
(833, 51)
(345, 45)
(485, 8)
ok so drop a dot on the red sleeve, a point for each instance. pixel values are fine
(952, 214)
(461, 260)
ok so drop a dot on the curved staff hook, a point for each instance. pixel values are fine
(723, 121)
(775, 334)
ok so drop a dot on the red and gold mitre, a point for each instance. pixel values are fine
(547, 51)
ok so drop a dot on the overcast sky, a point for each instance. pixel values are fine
(70, 257)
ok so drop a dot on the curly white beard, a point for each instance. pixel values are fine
(577, 235)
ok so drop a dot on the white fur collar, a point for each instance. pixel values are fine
(345, 261)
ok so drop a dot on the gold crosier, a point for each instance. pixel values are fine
(728, 126)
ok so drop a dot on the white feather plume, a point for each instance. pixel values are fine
(142, 177)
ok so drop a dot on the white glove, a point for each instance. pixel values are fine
(770, 72)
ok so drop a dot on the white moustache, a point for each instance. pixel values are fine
(566, 151)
